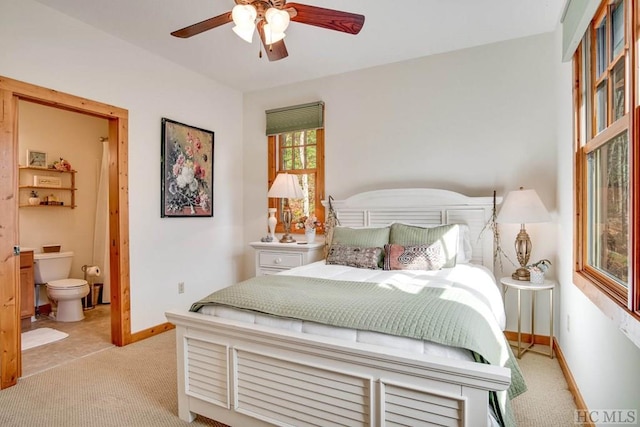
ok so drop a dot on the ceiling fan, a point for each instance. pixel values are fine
(271, 19)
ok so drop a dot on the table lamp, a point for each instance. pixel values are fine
(520, 207)
(286, 186)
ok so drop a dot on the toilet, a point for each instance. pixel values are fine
(53, 269)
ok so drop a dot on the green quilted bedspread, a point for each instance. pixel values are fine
(448, 316)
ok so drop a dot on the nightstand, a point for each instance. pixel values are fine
(519, 286)
(274, 257)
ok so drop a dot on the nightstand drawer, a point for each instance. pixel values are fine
(279, 259)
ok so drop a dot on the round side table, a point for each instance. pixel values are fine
(519, 285)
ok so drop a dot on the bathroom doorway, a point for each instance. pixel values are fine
(11, 91)
(77, 224)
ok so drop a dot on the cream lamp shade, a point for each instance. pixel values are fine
(521, 207)
(286, 186)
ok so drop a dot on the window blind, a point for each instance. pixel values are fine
(297, 117)
(575, 20)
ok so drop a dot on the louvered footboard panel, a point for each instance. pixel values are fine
(293, 394)
(404, 406)
(207, 371)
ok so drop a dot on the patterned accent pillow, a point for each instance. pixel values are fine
(419, 257)
(410, 235)
(355, 256)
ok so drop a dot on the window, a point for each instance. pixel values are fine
(296, 146)
(606, 141)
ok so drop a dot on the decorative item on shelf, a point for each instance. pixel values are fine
(61, 165)
(36, 159)
(520, 207)
(47, 181)
(34, 200)
(52, 200)
(309, 224)
(537, 270)
(286, 186)
(272, 222)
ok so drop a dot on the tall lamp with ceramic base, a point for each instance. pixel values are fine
(286, 186)
(520, 207)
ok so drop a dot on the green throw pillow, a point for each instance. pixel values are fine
(363, 237)
(411, 235)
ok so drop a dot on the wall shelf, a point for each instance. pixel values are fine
(67, 191)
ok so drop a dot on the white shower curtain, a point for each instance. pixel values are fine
(101, 228)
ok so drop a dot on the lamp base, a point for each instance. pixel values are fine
(288, 239)
(521, 274)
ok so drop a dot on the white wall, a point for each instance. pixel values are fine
(472, 121)
(41, 46)
(604, 362)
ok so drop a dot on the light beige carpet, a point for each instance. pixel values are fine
(136, 386)
(548, 401)
(120, 386)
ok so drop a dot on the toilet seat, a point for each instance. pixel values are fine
(66, 284)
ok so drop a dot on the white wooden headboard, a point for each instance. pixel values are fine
(424, 207)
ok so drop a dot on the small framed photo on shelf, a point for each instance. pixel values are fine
(36, 159)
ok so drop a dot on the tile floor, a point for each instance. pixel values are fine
(85, 337)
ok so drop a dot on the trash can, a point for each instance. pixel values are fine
(97, 293)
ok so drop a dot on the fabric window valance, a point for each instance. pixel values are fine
(297, 117)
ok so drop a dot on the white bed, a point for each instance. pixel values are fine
(248, 369)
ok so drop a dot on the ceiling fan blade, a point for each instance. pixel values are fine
(203, 26)
(337, 20)
(275, 51)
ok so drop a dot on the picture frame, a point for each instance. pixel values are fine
(36, 159)
(186, 170)
(47, 181)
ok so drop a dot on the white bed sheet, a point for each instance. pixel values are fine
(474, 278)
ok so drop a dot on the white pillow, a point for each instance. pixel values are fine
(465, 250)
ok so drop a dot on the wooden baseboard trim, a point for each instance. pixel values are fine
(571, 382)
(526, 338)
(148, 333)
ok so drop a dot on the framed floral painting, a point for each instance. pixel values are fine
(187, 170)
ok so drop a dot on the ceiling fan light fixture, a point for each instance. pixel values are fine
(271, 36)
(277, 19)
(244, 15)
(245, 32)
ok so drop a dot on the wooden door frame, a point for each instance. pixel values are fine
(10, 92)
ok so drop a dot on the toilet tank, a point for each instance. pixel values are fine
(51, 266)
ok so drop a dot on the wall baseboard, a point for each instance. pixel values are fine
(526, 338)
(571, 382)
(154, 330)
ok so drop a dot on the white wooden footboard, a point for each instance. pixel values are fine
(252, 375)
